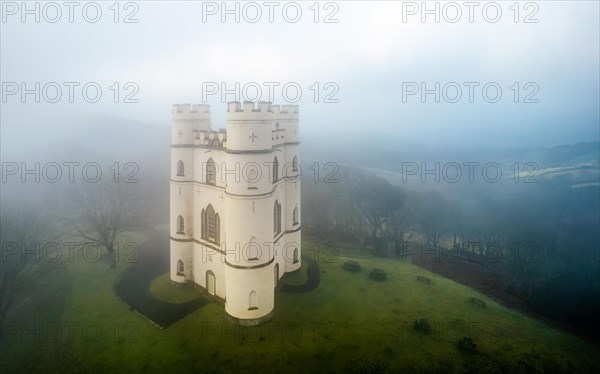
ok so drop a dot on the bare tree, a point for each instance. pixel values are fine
(432, 217)
(316, 207)
(101, 212)
(22, 232)
(376, 199)
(400, 221)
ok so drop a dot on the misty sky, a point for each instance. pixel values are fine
(366, 55)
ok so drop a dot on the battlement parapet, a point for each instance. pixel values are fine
(260, 111)
(211, 138)
(188, 111)
(249, 107)
(285, 112)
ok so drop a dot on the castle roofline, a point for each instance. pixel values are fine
(189, 108)
(276, 111)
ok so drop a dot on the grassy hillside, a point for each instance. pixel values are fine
(349, 323)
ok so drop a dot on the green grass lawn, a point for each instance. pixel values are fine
(164, 290)
(349, 322)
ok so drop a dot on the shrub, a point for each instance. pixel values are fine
(371, 367)
(422, 325)
(478, 302)
(467, 345)
(378, 274)
(352, 266)
(424, 279)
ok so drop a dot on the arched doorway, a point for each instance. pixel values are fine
(211, 285)
(180, 268)
(252, 301)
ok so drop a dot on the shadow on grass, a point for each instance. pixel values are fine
(313, 278)
(133, 286)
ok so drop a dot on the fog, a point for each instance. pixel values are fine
(371, 56)
(469, 128)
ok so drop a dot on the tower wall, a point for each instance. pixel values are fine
(181, 246)
(208, 260)
(249, 258)
(287, 117)
(182, 251)
(186, 119)
(207, 255)
(249, 228)
(249, 128)
(292, 244)
(251, 174)
(240, 283)
(186, 156)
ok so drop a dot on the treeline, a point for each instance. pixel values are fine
(542, 240)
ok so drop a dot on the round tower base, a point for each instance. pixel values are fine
(184, 284)
(251, 321)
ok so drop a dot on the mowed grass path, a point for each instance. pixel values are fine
(347, 322)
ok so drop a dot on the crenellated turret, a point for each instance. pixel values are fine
(187, 119)
(286, 118)
(249, 127)
(188, 111)
(289, 112)
(250, 111)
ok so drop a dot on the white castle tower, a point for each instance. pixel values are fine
(235, 204)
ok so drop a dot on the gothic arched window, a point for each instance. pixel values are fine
(180, 169)
(180, 225)
(295, 163)
(180, 268)
(210, 224)
(275, 169)
(211, 171)
(276, 218)
(295, 216)
(203, 224)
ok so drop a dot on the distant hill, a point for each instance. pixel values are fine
(112, 139)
